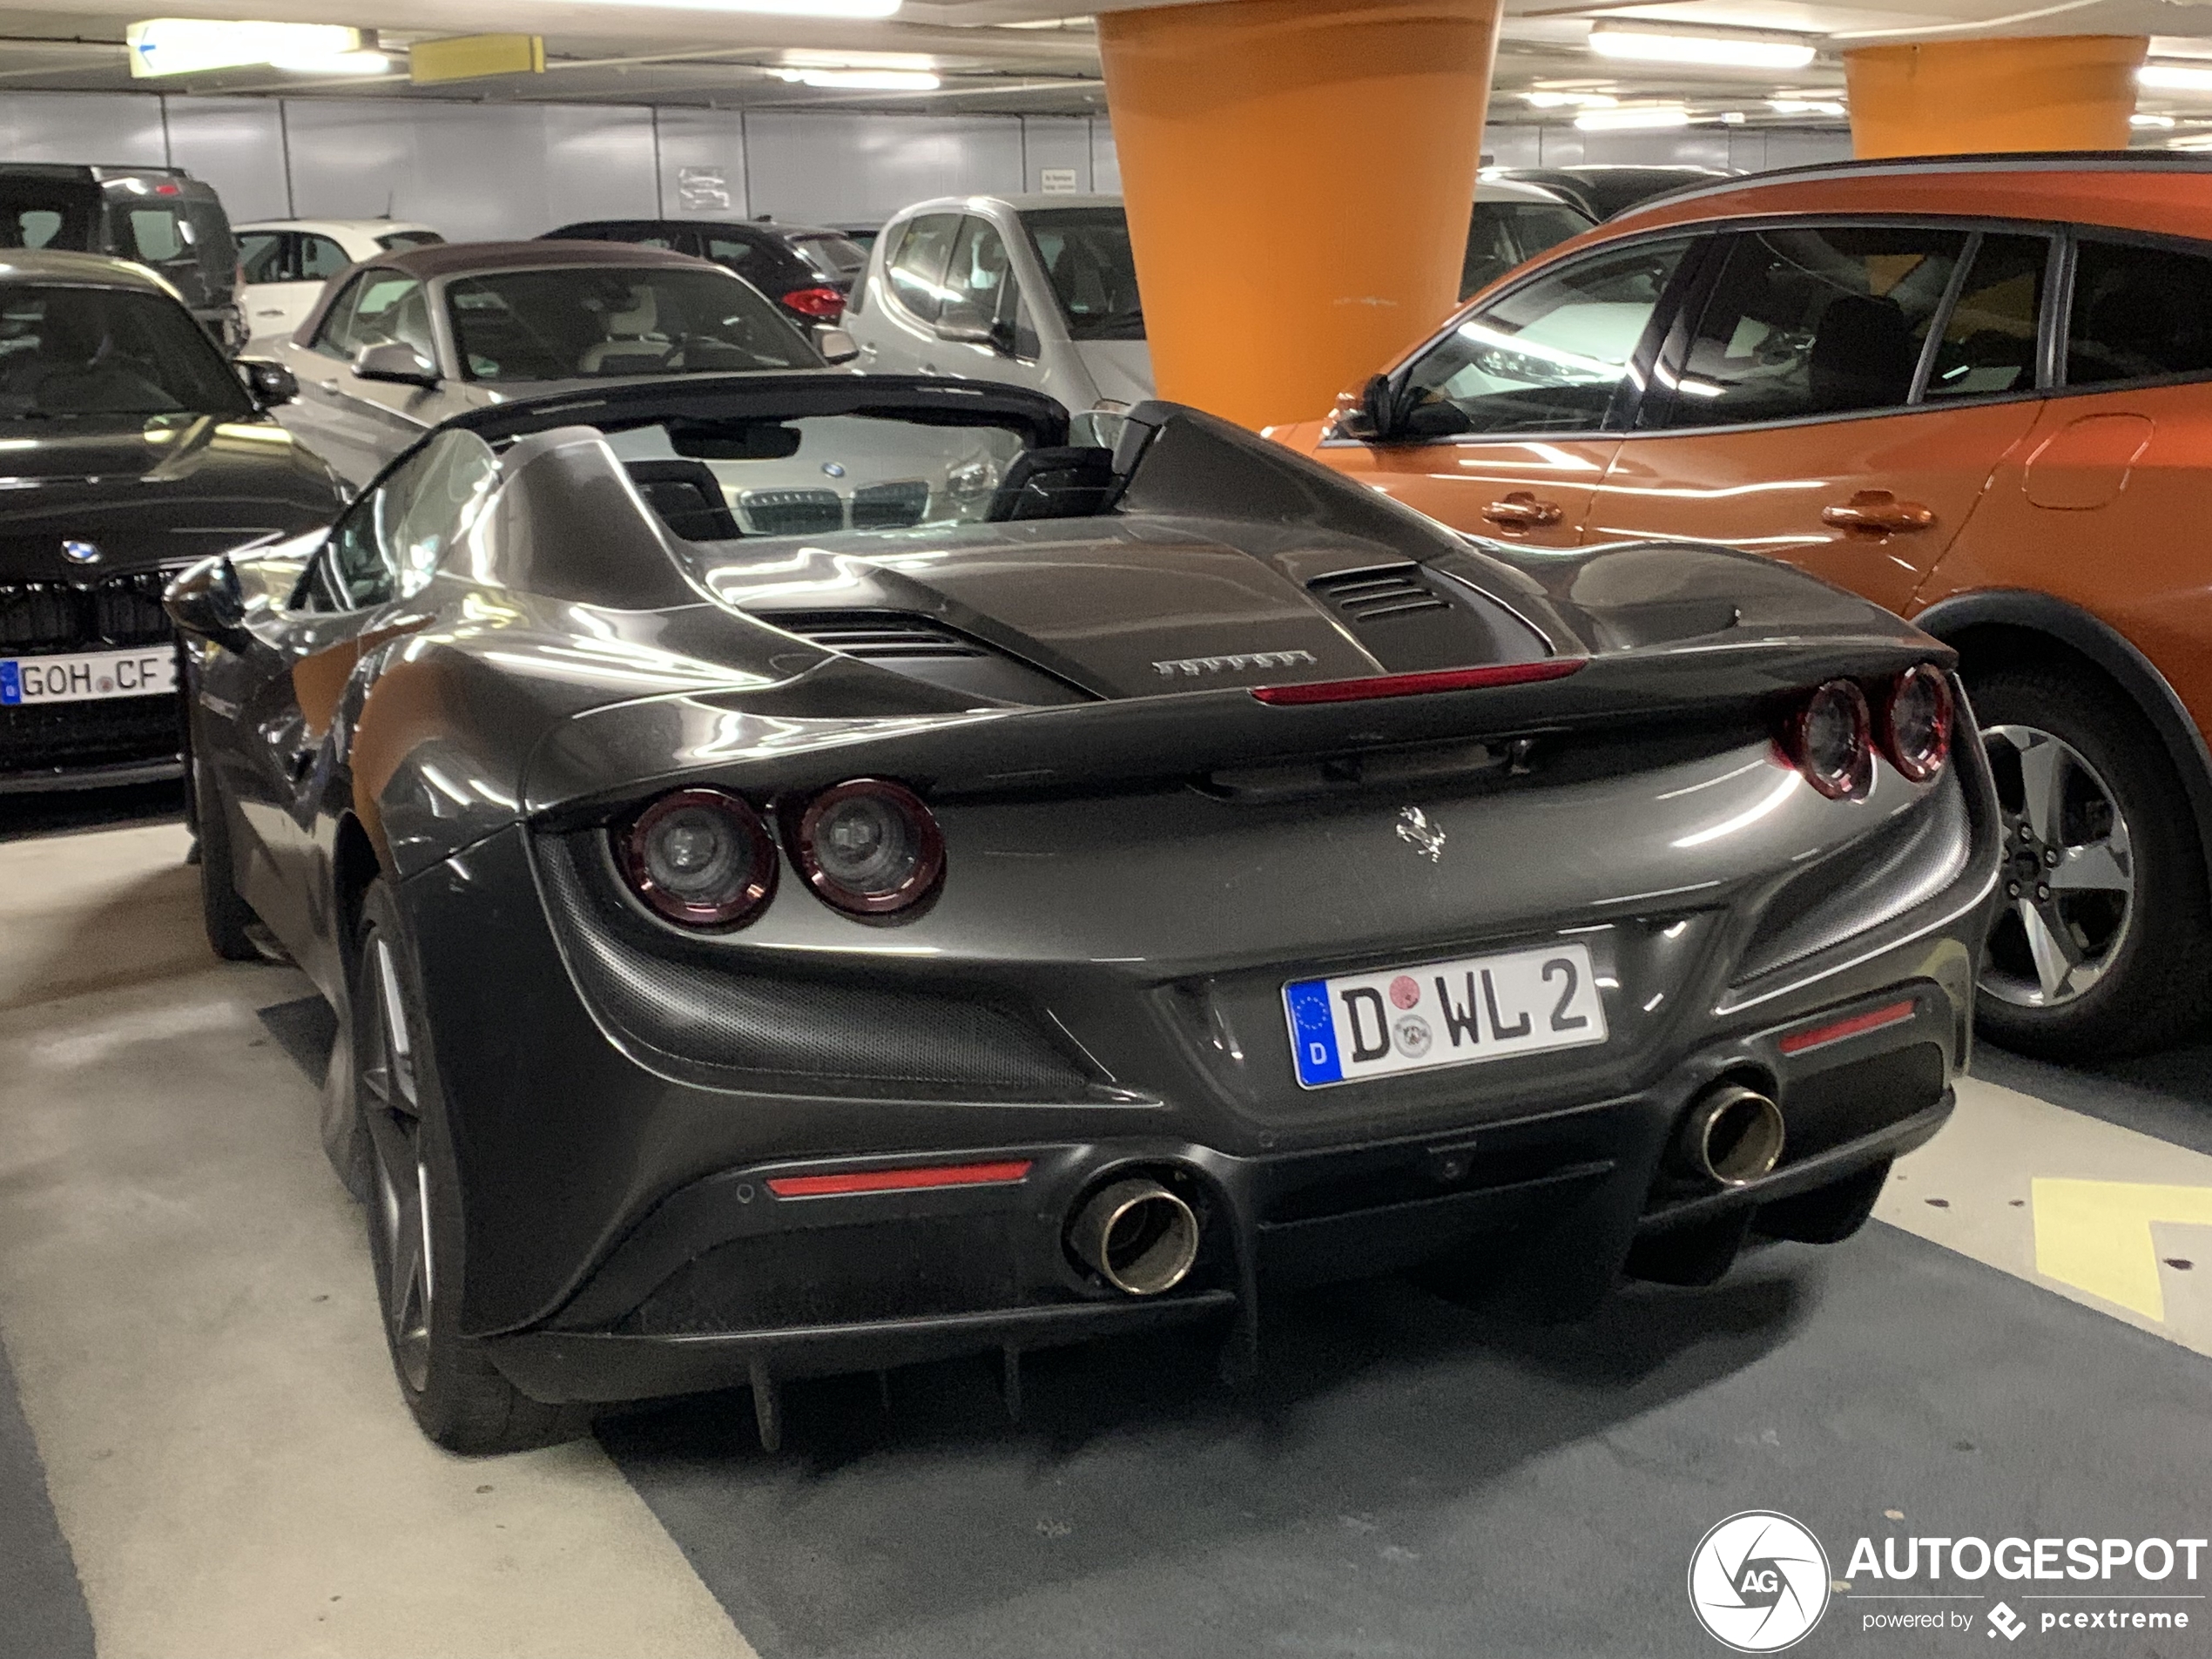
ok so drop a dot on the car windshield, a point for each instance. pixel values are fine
(591, 322)
(72, 352)
(816, 475)
(1085, 252)
(838, 258)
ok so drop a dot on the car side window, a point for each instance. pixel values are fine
(2138, 313)
(1810, 321)
(917, 265)
(1548, 356)
(262, 255)
(728, 250)
(378, 307)
(332, 339)
(321, 258)
(978, 276)
(1988, 342)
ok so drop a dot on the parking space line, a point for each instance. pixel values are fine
(2089, 1210)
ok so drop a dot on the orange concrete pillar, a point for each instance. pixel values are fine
(1970, 97)
(1299, 175)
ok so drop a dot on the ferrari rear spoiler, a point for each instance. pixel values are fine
(769, 741)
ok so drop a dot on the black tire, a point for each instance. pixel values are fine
(224, 913)
(2153, 950)
(460, 1399)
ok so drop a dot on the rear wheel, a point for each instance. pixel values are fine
(2100, 946)
(224, 914)
(459, 1397)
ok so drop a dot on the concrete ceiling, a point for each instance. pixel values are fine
(1024, 56)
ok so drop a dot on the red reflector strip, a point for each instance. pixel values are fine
(1446, 679)
(1836, 1031)
(936, 1175)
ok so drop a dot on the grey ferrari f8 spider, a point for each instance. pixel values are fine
(996, 890)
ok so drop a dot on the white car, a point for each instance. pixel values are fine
(287, 260)
(1036, 290)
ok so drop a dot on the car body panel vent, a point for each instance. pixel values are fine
(925, 648)
(1371, 595)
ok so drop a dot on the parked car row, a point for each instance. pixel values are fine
(622, 692)
(1931, 408)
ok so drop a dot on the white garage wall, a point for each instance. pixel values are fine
(486, 170)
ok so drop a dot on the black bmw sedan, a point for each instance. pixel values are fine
(129, 449)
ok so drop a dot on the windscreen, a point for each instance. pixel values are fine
(1086, 255)
(71, 354)
(591, 322)
(817, 475)
(838, 258)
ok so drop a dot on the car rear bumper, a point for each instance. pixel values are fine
(725, 1282)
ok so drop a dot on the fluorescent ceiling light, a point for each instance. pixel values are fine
(1634, 116)
(1711, 49)
(2175, 77)
(1805, 106)
(868, 80)
(193, 45)
(2150, 120)
(1550, 100)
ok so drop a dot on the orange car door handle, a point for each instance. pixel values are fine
(1521, 511)
(1876, 512)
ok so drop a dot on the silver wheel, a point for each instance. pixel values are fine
(384, 1057)
(2069, 874)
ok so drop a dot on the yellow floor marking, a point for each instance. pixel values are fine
(2095, 1235)
(1979, 1187)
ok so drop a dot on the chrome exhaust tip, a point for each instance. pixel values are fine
(1731, 1134)
(1137, 1235)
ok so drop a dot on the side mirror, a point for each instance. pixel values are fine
(1372, 416)
(962, 324)
(835, 345)
(393, 362)
(207, 599)
(268, 384)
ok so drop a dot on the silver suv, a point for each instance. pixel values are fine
(1036, 290)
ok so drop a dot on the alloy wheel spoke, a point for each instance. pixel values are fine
(2101, 866)
(399, 1054)
(2052, 946)
(2043, 776)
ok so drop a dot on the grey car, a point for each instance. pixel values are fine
(406, 340)
(1035, 290)
(1173, 875)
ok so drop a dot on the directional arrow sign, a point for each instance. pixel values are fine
(2095, 1235)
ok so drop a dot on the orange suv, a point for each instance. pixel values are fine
(1977, 390)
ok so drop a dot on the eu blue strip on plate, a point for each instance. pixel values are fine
(1314, 1033)
(10, 685)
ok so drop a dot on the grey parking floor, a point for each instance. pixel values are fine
(201, 1451)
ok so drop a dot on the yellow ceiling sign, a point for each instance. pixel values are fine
(472, 58)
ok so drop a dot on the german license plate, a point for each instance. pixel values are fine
(1443, 1014)
(86, 676)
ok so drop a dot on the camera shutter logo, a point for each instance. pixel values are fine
(1758, 1582)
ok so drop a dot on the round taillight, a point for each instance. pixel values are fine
(700, 856)
(822, 303)
(1830, 738)
(1916, 722)
(870, 847)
